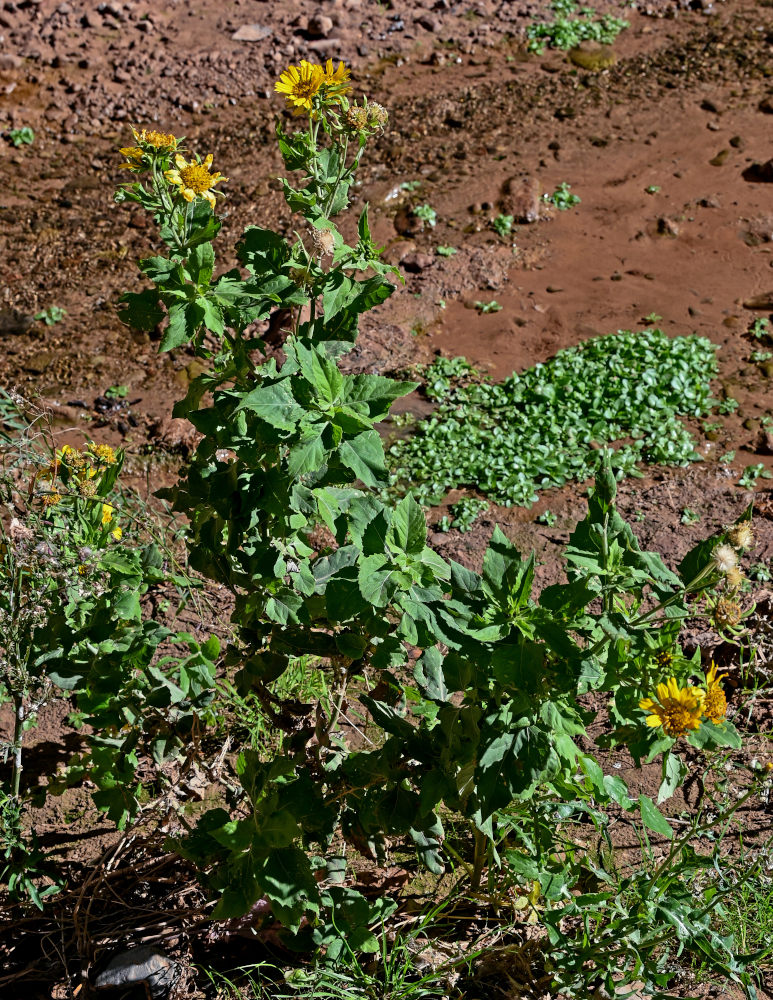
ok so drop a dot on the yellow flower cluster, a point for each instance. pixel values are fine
(149, 144)
(304, 83)
(80, 472)
(680, 710)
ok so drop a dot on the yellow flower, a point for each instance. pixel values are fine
(300, 84)
(83, 569)
(117, 533)
(50, 499)
(676, 709)
(107, 513)
(715, 702)
(162, 141)
(335, 82)
(194, 179)
(104, 453)
(71, 457)
(134, 155)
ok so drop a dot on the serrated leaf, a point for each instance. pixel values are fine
(275, 404)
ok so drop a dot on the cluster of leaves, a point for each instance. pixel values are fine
(566, 31)
(562, 198)
(464, 513)
(473, 685)
(543, 427)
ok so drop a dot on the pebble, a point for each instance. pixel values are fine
(766, 105)
(429, 22)
(320, 25)
(251, 33)
(521, 199)
(9, 61)
(417, 262)
(764, 301)
(720, 158)
(667, 227)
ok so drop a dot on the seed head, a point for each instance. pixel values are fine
(741, 535)
(725, 558)
(324, 242)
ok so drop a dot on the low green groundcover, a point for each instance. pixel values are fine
(545, 427)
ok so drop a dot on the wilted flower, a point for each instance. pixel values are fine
(378, 115)
(51, 499)
(194, 179)
(715, 702)
(734, 577)
(162, 141)
(300, 84)
(725, 558)
(741, 535)
(676, 709)
(324, 242)
(727, 613)
(356, 118)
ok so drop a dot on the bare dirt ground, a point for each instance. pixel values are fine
(684, 107)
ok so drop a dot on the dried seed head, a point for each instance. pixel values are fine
(324, 242)
(19, 532)
(727, 613)
(356, 119)
(741, 535)
(378, 115)
(734, 577)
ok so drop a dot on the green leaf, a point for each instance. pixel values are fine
(409, 529)
(364, 455)
(653, 818)
(201, 263)
(142, 310)
(429, 675)
(185, 319)
(674, 772)
(309, 454)
(275, 404)
(379, 580)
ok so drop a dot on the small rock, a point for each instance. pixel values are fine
(251, 33)
(737, 142)
(9, 61)
(709, 104)
(719, 159)
(763, 302)
(140, 966)
(417, 262)
(521, 199)
(37, 363)
(13, 323)
(593, 56)
(429, 22)
(320, 25)
(764, 442)
(667, 227)
(766, 105)
(759, 173)
(758, 231)
(324, 44)
(710, 201)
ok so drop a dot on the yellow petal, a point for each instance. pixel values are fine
(189, 194)
(210, 198)
(652, 721)
(180, 161)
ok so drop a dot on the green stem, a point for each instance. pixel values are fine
(18, 735)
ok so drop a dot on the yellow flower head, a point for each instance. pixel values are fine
(715, 702)
(117, 533)
(676, 709)
(162, 141)
(50, 499)
(300, 84)
(335, 82)
(194, 179)
(134, 155)
(71, 457)
(104, 453)
(107, 513)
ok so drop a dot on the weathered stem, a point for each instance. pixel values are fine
(18, 734)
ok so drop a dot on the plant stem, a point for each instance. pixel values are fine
(478, 859)
(18, 735)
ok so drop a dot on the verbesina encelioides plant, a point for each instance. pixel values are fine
(472, 685)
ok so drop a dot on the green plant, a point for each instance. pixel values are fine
(500, 438)
(547, 517)
(757, 357)
(21, 136)
(689, 516)
(752, 473)
(446, 251)
(410, 186)
(469, 687)
(502, 224)
(728, 458)
(51, 315)
(464, 514)
(759, 328)
(652, 189)
(488, 307)
(426, 213)
(566, 31)
(761, 572)
(652, 318)
(562, 198)
(117, 392)
(727, 405)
